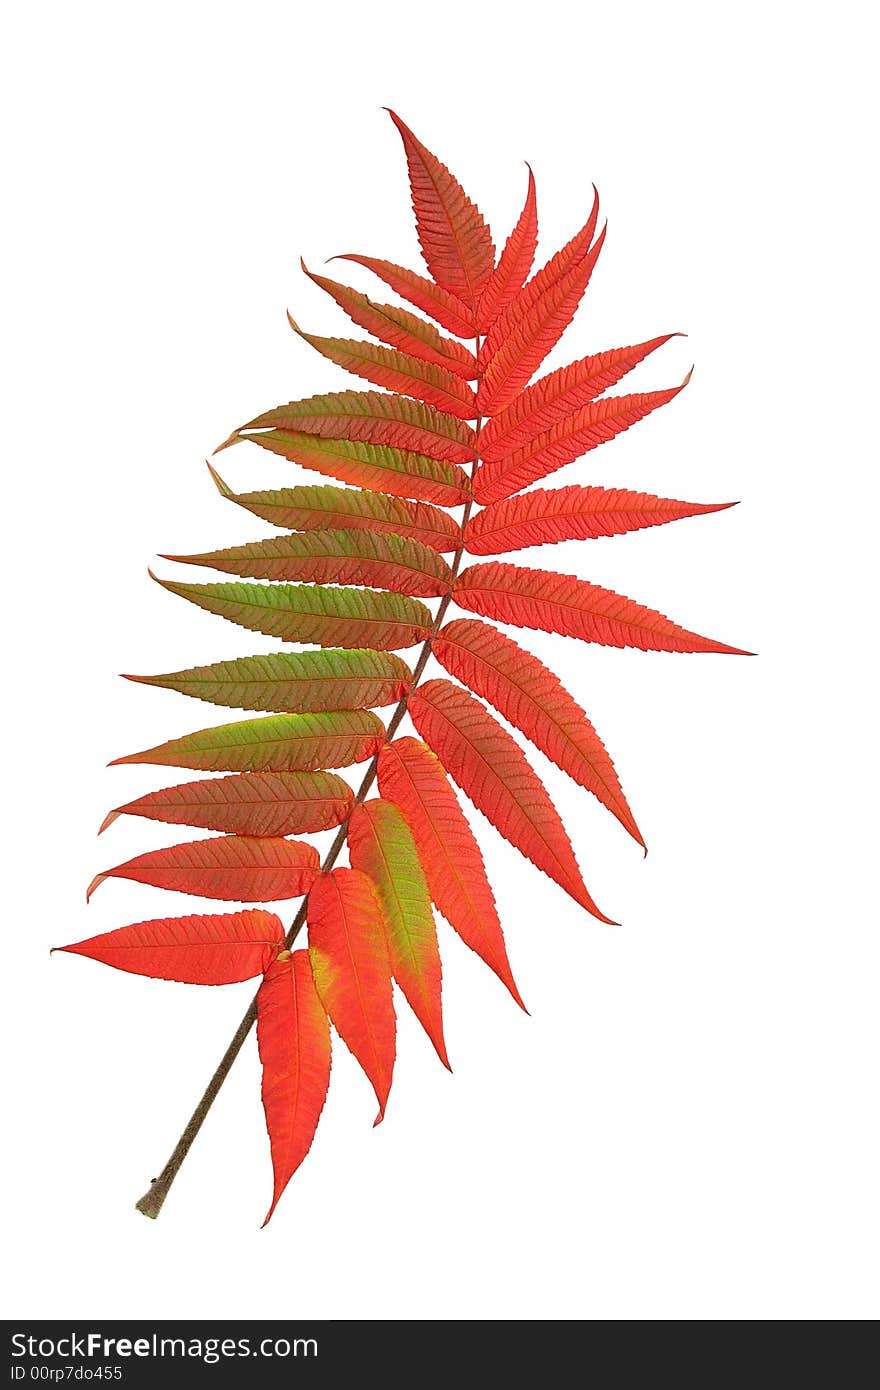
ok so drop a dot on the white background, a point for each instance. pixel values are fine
(686, 1125)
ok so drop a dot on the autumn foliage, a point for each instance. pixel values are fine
(428, 466)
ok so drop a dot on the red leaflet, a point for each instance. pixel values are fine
(380, 843)
(293, 1034)
(588, 427)
(349, 955)
(399, 328)
(397, 371)
(253, 803)
(455, 241)
(492, 770)
(558, 394)
(560, 603)
(318, 508)
(539, 325)
(526, 298)
(238, 870)
(432, 299)
(572, 513)
(220, 949)
(535, 701)
(513, 265)
(411, 776)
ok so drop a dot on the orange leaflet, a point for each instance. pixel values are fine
(535, 701)
(242, 870)
(349, 955)
(513, 266)
(412, 777)
(397, 371)
(215, 949)
(492, 770)
(455, 241)
(293, 1034)
(573, 435)
(399, 328)
(558, 395)
(543, 517)
(560, 603)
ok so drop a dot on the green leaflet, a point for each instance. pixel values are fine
(310, 613)
(380, 843)
(377, 560)
(375, 417)
(294, 681)
(280, 743)
(399, 471)
(316, 506)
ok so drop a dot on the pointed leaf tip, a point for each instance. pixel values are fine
(233, 438)
(95, 883)
(223, 488)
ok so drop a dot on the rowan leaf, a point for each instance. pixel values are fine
(572, 607)
(411, 777)
(293, 1035)
(280, 743)
(532, 699)
(455, 241)
(544, 517)
(349, 955)
(249, 803)
(558, 395)
(237, 869)
(492, 770)
(399, 328)
(381, 845)
(294, 681)
(585, 429)
(328, 617)
(397, 371)
(445, 424)
(216, 949)
(320, 508)
(371, 417)
(513, 266)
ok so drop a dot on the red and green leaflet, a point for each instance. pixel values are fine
(428, 462)
(375, 559)
(257, 803)
(381, 845)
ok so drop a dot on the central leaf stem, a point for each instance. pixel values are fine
(151, 1202)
